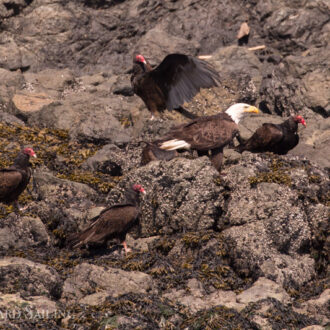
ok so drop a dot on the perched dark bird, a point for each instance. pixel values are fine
(177, 79)
(278, 139)
(208, 133)
(13, 180)
(112, 223)
(152, 152)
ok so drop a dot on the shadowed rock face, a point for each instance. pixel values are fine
(246, 249)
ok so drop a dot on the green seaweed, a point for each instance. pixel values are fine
(278, 173)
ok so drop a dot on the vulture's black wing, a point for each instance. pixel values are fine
(264, 138)
(10, 180)
(180, 77)
(113, 222)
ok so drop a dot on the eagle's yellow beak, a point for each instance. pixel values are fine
(252, 109)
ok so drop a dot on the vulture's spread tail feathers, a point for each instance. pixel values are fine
(82, 238)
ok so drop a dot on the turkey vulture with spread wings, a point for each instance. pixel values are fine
(208, 133)
(278, 139)
(176, 80)
(14, 179)
(112, 223)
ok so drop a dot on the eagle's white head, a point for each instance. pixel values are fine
(239, 110)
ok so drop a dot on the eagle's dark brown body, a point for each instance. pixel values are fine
(208, 133)
(113, 222)
(13, 180)
(177, 79)
(278, 139)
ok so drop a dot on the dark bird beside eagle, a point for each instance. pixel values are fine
(208, 133)
(152, 152)
(14, 180)
(176, 80)
(112, 223)
(276, 138)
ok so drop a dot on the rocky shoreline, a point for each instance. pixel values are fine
(247, 249)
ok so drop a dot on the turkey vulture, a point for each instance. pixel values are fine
(13, 180)
(177, 79)
(112, 223)
(278, 139)
(152, 152)
(208, 133)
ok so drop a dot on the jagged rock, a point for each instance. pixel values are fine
(289, 25)
(10, 119)
(64, 205)
(157, 43)
(109, 159)
(22, 233)
(234, 62)
(262, 289)
(196, 298)
(51, 188)
(10, 55)
(90, 284)
(304, 88)
(10, 8)
(140, 244)
(30, 102)
(29, 278)
(271, 234)
(11, 78)
(88, 121)
(270, 313)
(317, 307)
(265, 216)
(181, 195)
(29, 307)
(50, 80)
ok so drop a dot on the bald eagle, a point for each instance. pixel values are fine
(177, 79)
(208, 133)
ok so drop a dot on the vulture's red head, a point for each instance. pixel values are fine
(139, 188)
(141, 59)
(30, 152)
(301, 120)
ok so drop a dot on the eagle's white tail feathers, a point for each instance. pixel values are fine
(175, 144)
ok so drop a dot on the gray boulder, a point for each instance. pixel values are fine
(271, 233)
(91, 284)
(110, 159)
(182, 195)
(29, 278)
(22, 233)
(63, 205)
(157, 43)
(242, 65)
(318, 307)
(6, 118)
